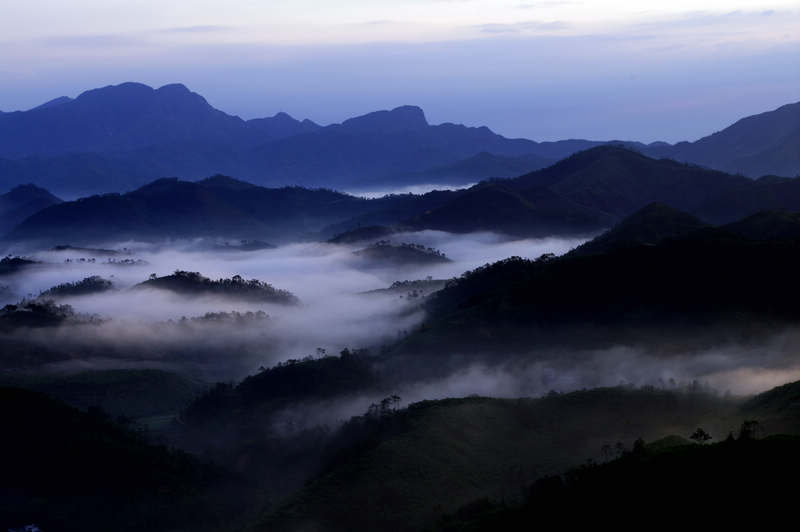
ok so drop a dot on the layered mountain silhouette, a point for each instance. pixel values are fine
(583, 194)
(117, 138)
(659, 275)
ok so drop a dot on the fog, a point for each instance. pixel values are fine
(146, 328)
(334, 313)
(423, 188)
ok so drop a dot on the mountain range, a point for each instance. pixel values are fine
(580, 195)
(120, 137)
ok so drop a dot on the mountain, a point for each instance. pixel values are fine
(170, 208)
(648, 226)
(99, 472)
(582, 194)
(408, 467)
(119, 137)
(766, 193)
(762, 144)
(767, 225)
(700, 285)
(476, 168)
(619, 181)
(128, 117)
(21, 202)
(494, 207)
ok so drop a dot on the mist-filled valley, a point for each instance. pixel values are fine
(454, 267)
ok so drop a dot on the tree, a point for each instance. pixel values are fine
(700, 436)
(639, 446)
(750, 429)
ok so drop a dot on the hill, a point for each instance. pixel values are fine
(98, 472)
(361, 234)
(690, 286)
(650, 225)
(745, 473)
(585, 193)
(495, 207)
(89, 285)
(169, 208)
(23, 201)
(386, 254)
(406, 468)
(133, 394)
(619, 181)
(194, 284)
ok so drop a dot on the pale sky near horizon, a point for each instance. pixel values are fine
(544, 69)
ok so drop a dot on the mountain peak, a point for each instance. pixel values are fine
(223, 181)
(29, 192)
(53, 103)
(404, 118)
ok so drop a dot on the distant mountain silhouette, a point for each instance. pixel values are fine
(583, 194)
(21, 202)
(117, 138)
(169, 208)
(477, 168)
(762, 144)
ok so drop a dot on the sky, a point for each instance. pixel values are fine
(546, 70)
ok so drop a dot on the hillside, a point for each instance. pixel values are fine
(415, 464)
(169, 208)
(386, 254)
(495, 207)
(195, 285)
(583, 194)
(23, 201)
(680, 288)
(746, 473)
(619, 181)
(99, 472)
(648, 226)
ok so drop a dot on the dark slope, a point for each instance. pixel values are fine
(585, 193)
(652, 224)
(169, 208)
(23, 201)
(705, 283)
(767, 225)
(619, 181)
(68, 470)
(766, 193)
(403, 470)
(762, 144)
(651, 482)
(494, 207)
